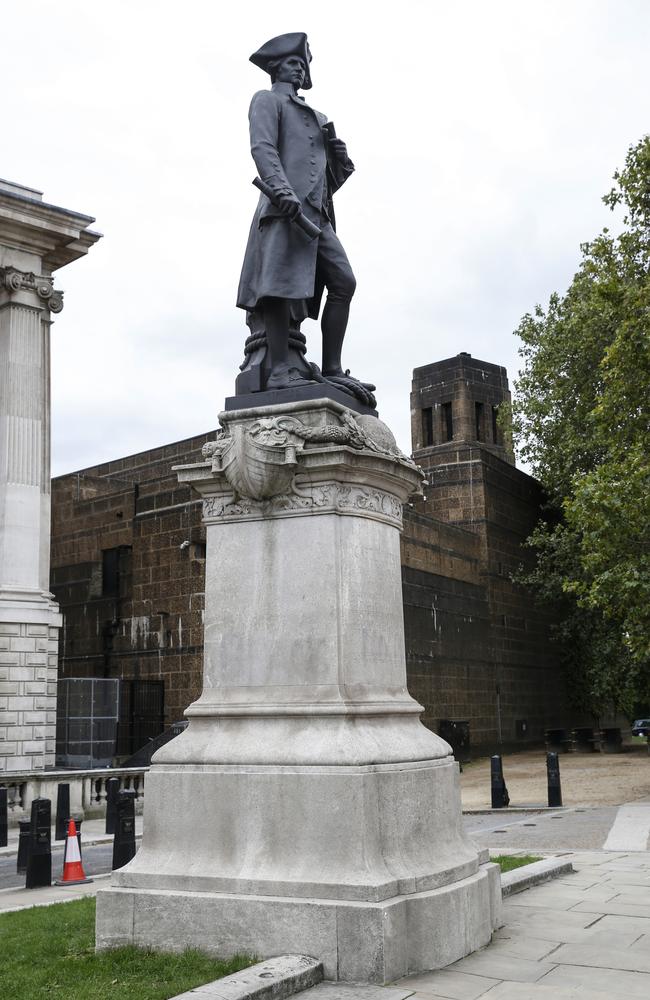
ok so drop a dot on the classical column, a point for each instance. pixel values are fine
(35, 239)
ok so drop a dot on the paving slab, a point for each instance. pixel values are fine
(564, 898)
(491, 963)
(628, 878)
(613, 907)
(603, 957)
(613, 982)
(634, 895)
(354, 991)
(537, 991)
(448, 984)
(525, 946)
(621, 924)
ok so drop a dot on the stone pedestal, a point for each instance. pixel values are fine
(305, 808)
(35, 239)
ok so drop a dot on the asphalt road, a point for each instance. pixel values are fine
(565, 830)
(96, 860)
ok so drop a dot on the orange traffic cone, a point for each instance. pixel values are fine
(73, 872)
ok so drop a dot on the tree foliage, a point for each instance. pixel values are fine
(582, 420)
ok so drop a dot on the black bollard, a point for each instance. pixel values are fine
(124, 839)
(4, 821)
(24, 827)
(39, 862)
(553, 776)
(62, 812)
(112, 789)
(500, 797)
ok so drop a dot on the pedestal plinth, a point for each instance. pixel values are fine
(305, 808)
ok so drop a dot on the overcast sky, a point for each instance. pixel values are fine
(484, 135)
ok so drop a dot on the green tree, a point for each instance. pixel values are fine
(581, 419)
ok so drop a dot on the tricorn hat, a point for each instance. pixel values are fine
(292, 44)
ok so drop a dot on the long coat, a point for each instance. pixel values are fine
(289, 149)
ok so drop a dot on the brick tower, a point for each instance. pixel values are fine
(455, 429)
(478, 643)
(457, 400)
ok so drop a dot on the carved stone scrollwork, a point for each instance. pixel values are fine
(261, 462)
(16, 281)
(259, 459)
(331, 498)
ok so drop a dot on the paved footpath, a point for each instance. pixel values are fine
(583, 935)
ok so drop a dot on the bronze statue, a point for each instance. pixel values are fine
(293, 252)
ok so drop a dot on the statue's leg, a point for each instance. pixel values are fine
(276, 322)
(334, 268)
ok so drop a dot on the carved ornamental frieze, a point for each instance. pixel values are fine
(42, 285)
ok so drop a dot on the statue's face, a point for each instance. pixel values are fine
(291, 70)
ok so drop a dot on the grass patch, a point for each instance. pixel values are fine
(49, 952)
(508, 862)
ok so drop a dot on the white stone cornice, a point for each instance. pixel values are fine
(54, 234)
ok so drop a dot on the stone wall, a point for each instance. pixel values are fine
(28, 655)
(128, 568)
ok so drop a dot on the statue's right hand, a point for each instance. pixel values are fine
(289, 205)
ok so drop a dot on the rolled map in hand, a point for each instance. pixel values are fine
(308, 228)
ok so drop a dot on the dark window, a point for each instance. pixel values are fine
(116, 564)
(110, 572)
(197, 551)
(495, 426)
(427, 426)
(142, 714)
(478, 414)
(447, 422)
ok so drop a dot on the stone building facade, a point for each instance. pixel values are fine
(36, 239)
(128, 557)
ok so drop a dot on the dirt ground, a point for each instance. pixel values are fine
(587, 779)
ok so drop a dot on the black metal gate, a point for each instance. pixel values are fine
(142, 714)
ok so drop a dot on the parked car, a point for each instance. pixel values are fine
(641, 727)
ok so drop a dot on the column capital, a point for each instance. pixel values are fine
(13, 280)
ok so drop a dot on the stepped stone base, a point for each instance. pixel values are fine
(356, 941)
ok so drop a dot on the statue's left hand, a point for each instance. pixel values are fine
(339, 149)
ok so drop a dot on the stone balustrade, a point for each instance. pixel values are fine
(87, 789)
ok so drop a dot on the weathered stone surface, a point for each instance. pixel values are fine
(355, 941)
(274, 979)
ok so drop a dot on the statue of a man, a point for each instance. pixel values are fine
(301, 161)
